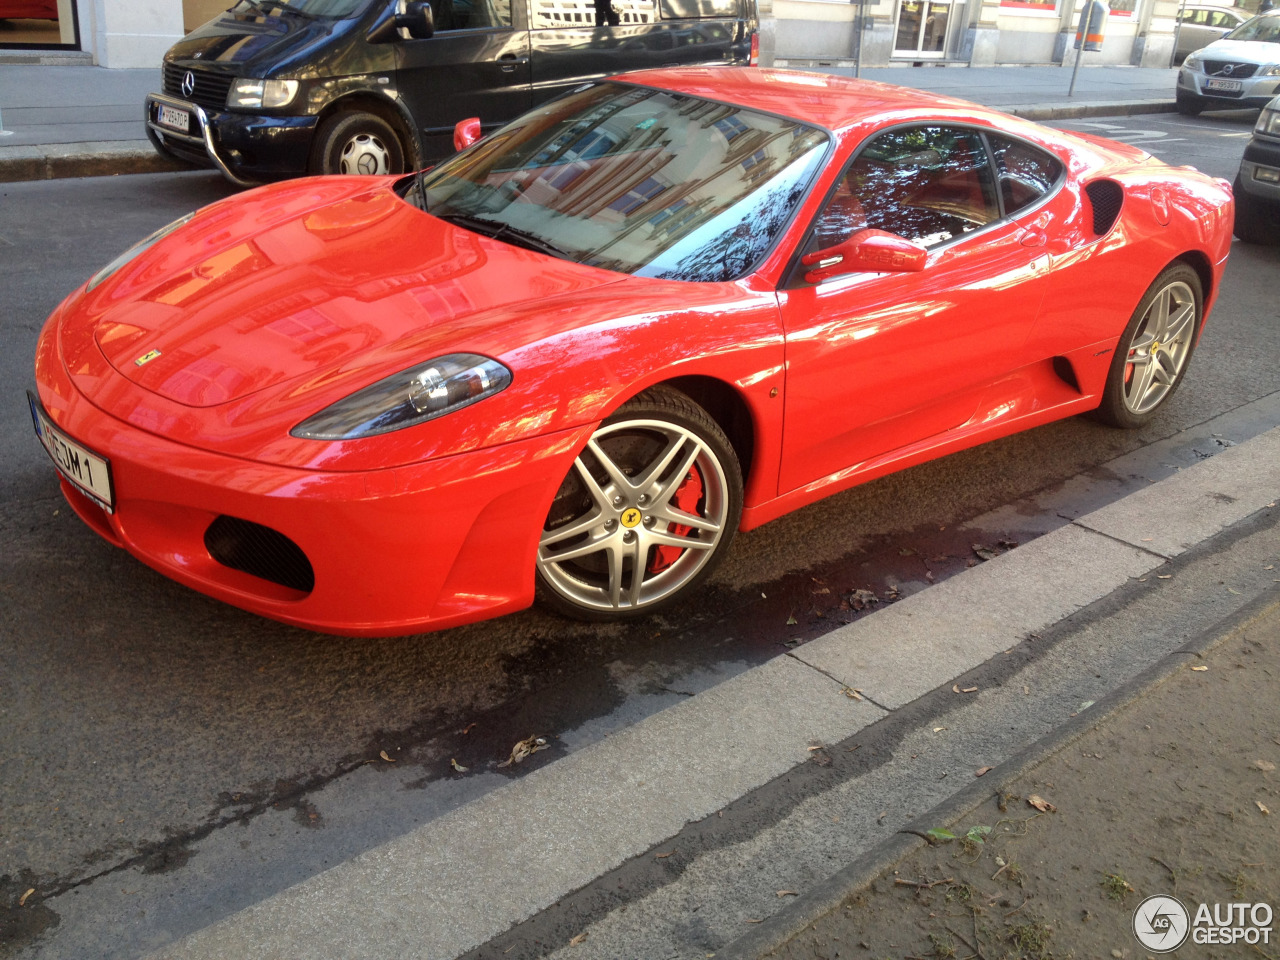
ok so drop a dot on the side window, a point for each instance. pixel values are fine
(1026, 172)
(550, 14)
(1221, 19)
(471, 14)
(928, 184)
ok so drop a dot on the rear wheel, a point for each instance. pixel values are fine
(357, 143)
(647, 511)
(1152, 355)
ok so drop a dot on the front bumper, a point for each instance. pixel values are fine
(246, 148)
(396, 551)
(1253, 92)
(1260, 170)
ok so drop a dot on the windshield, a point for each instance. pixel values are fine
(325, 9)
(1264, 29)
(640, 181)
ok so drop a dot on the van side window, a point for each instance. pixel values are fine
(471, 14)
(550, 14)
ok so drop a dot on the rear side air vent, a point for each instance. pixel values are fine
(259, 551)
(1106, 198)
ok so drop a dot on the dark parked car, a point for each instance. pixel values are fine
(1257, 186)
(277, 88)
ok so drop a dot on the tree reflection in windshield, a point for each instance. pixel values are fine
(638, 180)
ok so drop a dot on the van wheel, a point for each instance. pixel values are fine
(357, 143)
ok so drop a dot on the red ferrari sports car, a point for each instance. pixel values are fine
(572, 360)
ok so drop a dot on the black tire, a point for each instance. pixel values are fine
(355, 142)
(612, 547)
(1256, 220)
(1154, 350)
(1188, 104)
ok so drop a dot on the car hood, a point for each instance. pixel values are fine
(1245, 51)
(282, 44)
(303, 280)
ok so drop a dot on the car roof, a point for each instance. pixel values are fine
(822, 99)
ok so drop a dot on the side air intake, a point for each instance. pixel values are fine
(260, 551)
(1106, 198)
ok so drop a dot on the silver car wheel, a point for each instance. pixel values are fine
(1159, 348)
(639, 536)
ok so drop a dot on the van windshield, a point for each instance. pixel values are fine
(637, 180)
(322, 9)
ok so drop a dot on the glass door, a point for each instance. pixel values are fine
(922, 28)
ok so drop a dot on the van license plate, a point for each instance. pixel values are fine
(173, 117)
(86, 470)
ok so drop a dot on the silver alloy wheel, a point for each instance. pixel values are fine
(1159, 348)
(365, 153)
(603, 558)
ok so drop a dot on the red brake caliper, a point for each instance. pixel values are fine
(687, 496)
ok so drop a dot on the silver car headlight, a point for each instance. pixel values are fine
(407, 398)
(138, 248)
(1272, 70)
(256, 94)
(1192, 62)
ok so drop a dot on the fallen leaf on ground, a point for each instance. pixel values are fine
(982, 771)
(985, 553)
(938, 729)
(788, 893)
(1266, 765)
(956, 688)
(820, 591)
(1263, 807)
(1041, 804)
(23, 901)
(457, 766)
(525, 748)
(861, 599)
(580, 938)
(1164, 576)
(663, 856)
(749, 920)
(1235, 591)
(1200, 669)
(468, 728)
(851, 693)
(814, 746)
(383, 755)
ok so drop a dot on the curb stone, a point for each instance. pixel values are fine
(827, 896)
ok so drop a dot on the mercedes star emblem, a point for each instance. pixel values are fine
(188, 84)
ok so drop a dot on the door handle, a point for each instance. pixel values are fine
(510, 61)
(1034, 236)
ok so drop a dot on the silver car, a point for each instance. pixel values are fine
(1201, 24)
(1240, 70)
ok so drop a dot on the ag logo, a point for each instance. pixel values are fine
(1161, 923)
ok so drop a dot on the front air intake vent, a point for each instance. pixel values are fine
(1106, 198)
(259, 551)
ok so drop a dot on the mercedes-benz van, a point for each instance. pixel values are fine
(277, 88)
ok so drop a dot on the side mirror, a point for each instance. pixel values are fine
(418, 18)
(465, 133)
(875, 251)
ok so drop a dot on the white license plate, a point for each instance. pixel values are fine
(173, 117)
(1225, 86)
(88, 471)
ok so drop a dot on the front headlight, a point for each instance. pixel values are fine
(135, 250)
(1192, 62)
(1268, 122)
(410, 397)
(256, 94)
(1270, 71)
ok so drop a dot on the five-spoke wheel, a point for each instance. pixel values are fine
(648, 509)
(1152, 355)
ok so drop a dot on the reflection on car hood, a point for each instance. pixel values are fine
(1245, 51)
(303, 279)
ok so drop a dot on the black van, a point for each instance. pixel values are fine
(276, 88)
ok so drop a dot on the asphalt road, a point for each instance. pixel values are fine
(139, 720)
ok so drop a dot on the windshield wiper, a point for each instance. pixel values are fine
(504, 231)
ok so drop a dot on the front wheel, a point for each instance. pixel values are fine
(647, 511)
(357, 143)
(1188, 104)
(1256, 220)
(1152, 355)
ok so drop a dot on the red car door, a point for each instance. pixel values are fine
(879, 361)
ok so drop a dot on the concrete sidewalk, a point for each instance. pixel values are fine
(75, 121)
